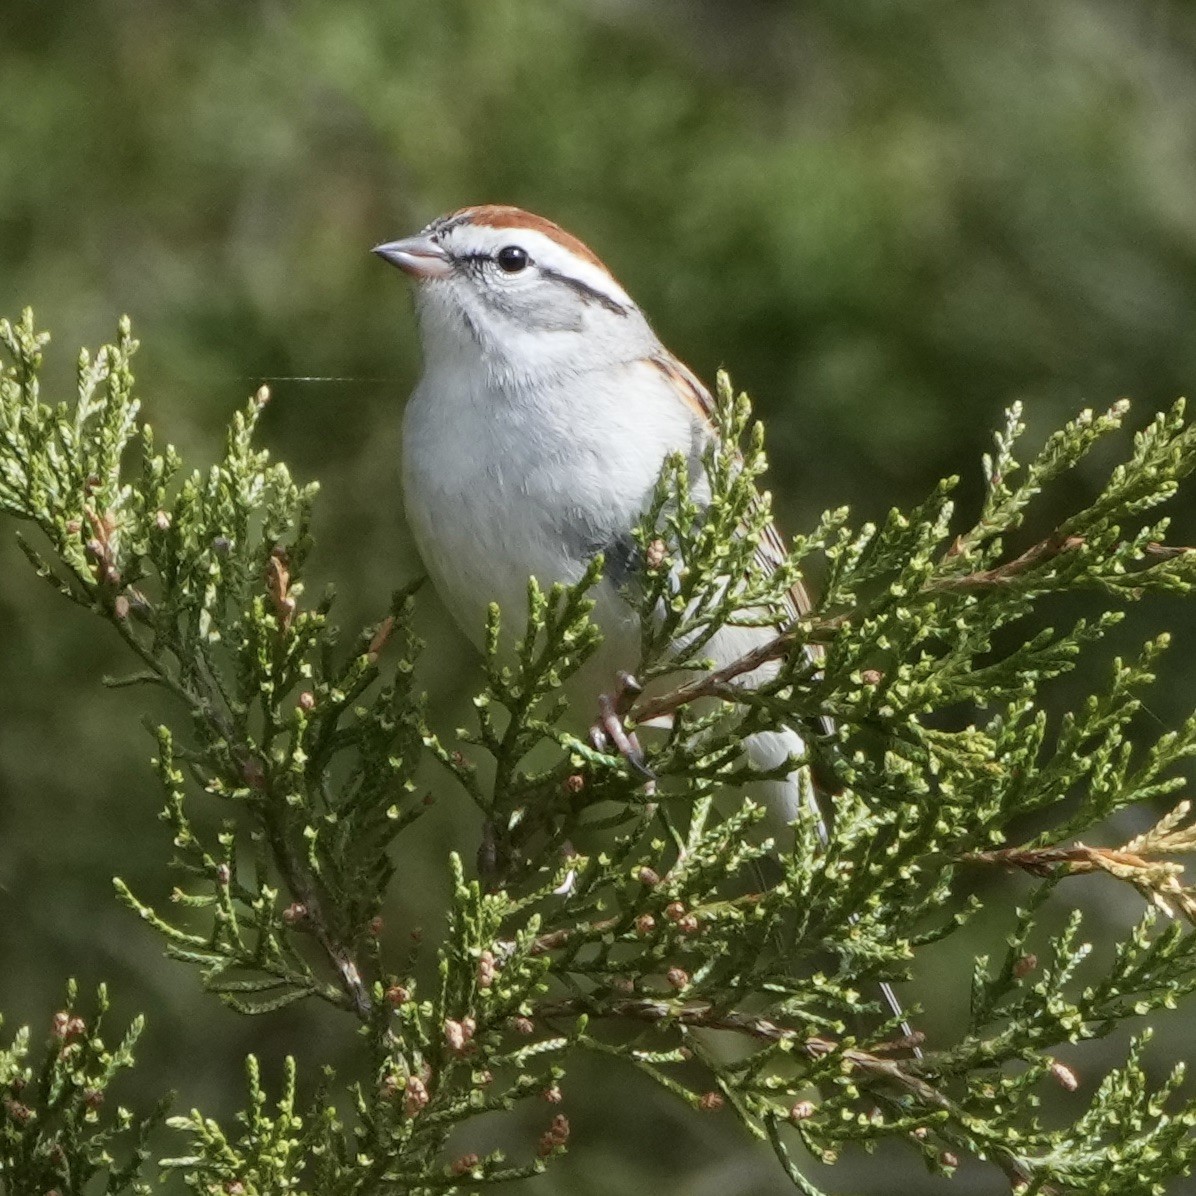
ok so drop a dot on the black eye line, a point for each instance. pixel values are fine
(592, 294)
(476, 258)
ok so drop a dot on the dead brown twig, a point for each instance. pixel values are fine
(1043, 861)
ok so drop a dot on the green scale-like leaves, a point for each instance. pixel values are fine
(637, 910)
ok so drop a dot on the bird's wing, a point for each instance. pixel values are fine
(771, 552)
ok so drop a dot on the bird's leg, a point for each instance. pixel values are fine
(608, 728)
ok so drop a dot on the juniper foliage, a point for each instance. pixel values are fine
(646, 921)
(56, 1134)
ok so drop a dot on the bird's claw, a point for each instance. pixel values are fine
(608, 728)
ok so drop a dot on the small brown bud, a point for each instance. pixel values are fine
(802, 1111)
(278, 585)
(307, 700)
(415, 1096)
(397, 995)
(457, 1035)
(524, 1026)
(711, 1102)
(623, 985)
(688, 924)
(574, 783)
(120, 607)
(686, 1053)
(487, 969)
(647, 876)
(484, 1077)
(678, 978)
(295, 913)
(74, 526)
(654, 554)
(555, 1137)
(674, 911)
(67, 1027)
(93, 1098)
(948, 1159)
(465, 1164)
(223, 874)
(254, 773)
(1065, 1076)
(872, 676)
(380, 637)
(644, 925)
(552, 1095)
(162, 521)
(17, 1112)
(376, 926)
(1025, 966)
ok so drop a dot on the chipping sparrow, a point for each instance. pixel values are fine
(537, 433)
(536, 436)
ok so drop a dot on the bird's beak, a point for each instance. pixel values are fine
(418, 256)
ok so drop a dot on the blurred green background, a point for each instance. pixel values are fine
(887, 218)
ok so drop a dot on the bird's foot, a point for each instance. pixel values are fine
(609, 727)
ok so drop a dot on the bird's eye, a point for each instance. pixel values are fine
(512, 259)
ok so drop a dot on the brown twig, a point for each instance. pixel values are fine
(1042, 861)
(303, 889)
(1166, 552)
(1053, 546)
(718, 684)
(702, 1015)
(808, 630)
(554, 940)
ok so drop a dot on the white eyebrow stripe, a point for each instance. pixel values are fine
(552, 257)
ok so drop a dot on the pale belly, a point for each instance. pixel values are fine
(484, 525)
(489, 507)
(499, 571)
